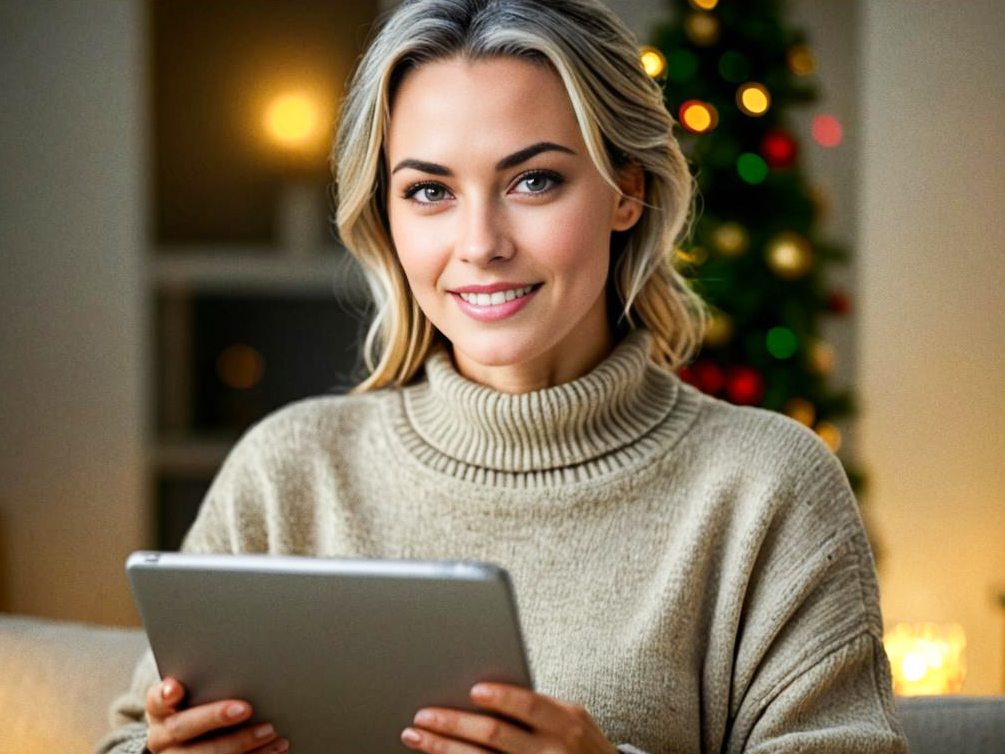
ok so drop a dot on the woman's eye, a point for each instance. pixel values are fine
(540, 183)
(425, 193)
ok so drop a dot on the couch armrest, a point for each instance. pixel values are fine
(58, 681)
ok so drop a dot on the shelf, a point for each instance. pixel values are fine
(188, 457)
(256, 270)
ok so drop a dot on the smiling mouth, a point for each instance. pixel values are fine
(499, 297)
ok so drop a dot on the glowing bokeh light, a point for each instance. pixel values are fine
(698, 116)
(653, 62)
(704, 4)
(781, 342)
(752, 168)
(702, 28)
(240, 366)
(753, 98)
(826, 130)
(292, 119)
(801, 61)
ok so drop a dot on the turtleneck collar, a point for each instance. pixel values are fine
(623, 399)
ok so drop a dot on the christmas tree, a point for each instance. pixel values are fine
(730, 73)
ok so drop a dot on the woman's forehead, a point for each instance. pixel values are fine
(490, 104)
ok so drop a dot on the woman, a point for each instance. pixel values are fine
(692, 576)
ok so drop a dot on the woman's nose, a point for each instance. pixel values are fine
(482, 238)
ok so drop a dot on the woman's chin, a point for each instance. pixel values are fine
(494, 352)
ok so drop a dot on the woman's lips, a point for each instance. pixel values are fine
(494, 312)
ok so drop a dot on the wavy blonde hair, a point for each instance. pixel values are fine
(622, 118)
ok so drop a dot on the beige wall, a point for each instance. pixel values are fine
(932, 322)
(71, 318)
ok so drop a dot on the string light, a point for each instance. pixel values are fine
(653, 62)
(752, 168)
(753, 98)
(781, 342)
(698, 117)
(826, 130)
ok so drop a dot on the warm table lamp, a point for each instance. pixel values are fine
(926, 658)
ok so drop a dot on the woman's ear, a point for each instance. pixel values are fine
(632, 182)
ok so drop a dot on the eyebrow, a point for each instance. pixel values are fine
(504, 164)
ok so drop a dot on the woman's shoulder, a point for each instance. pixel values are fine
(761, 441)
(320, 420)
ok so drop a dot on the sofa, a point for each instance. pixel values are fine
(58, 677)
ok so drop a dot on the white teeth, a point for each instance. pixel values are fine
(499, 297)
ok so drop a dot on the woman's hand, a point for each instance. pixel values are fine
(172, 732)
(555, 727)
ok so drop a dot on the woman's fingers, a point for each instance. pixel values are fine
(163, 697)
(536, 711)
(276, 747)
(481, 729)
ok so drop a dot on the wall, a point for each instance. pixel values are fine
(71, 322)
(932, 321)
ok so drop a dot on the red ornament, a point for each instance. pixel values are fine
(705, 375)
(838, 303)
(744, 385)
(778, 149)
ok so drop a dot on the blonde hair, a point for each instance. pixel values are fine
(622, 118)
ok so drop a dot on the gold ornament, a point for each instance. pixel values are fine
(702, 28)
(822, 357)
(801, 410)
(789, 255)
(801, 60)
(731, 239)
(719, 330)
(830, 434)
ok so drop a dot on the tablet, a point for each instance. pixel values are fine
(338, 654)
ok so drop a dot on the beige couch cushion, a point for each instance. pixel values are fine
(57, 680)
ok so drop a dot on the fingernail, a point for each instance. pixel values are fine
(409, 736)
(280, 746)
(166, 690)
(235, 710)
(482, 692)
(263, 731)
(425, 717)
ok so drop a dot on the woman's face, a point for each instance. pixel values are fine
(501, 221)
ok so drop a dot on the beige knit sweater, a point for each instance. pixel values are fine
(694, 573)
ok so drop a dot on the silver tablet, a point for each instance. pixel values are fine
(338, 654)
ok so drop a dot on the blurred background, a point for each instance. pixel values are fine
(168, 275)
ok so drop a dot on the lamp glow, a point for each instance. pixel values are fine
(926, 658)
(292, 120)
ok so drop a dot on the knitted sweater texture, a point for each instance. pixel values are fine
(694, 573)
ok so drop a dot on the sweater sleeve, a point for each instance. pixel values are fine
(810, 672)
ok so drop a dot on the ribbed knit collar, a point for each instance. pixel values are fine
(620, 401)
